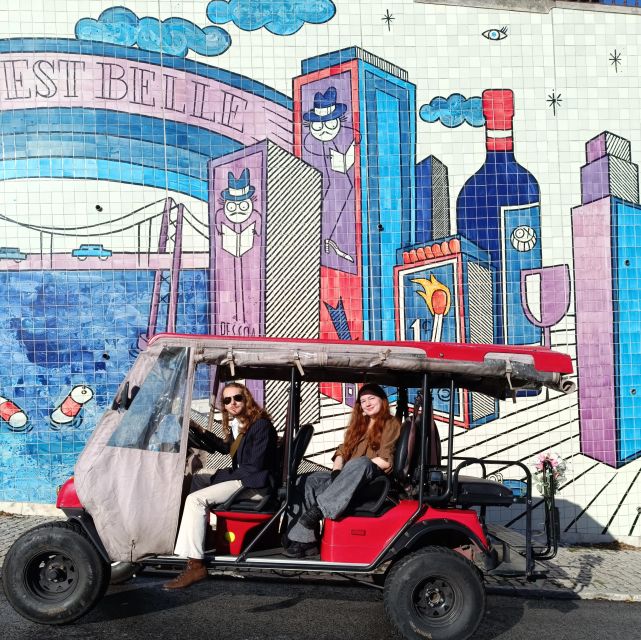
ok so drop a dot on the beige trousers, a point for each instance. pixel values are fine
(203, 497)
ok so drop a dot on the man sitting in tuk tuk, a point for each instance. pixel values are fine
(250, 440)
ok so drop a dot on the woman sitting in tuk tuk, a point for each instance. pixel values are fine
(250, 440)
(366, 452)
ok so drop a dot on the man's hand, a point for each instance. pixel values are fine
(196, 427)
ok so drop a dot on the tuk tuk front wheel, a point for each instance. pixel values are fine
(53, 574)
(434, 593)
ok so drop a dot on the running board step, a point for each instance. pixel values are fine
(512, 538)
(511, 564)
(510, 551)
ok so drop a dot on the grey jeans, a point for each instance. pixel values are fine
(332, 498)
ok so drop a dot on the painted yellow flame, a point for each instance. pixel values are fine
(429, 288)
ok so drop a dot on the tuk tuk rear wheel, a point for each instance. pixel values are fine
(434, 593)
(53, 574)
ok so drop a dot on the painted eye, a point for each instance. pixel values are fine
(523, 238)
(230, 207)
(317, 126)
(244, 205)
(331, 124)
(495, 34)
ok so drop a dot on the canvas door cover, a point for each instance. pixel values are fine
(132, 491)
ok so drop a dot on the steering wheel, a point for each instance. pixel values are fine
(205, 440)
(196, 440)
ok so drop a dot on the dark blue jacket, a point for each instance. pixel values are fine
(255, 461)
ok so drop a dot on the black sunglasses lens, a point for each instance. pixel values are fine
(237, 397)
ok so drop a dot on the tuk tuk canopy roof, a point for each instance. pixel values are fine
(132, 490)
(496, 370)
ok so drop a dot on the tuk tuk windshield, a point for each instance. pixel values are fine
(153, 421)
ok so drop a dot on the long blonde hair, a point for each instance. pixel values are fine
(251, 412)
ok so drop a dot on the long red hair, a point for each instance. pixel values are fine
(358, 427)
(251, 412)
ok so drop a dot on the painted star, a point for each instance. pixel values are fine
(615, 59)
(387, 19)
(555, 100)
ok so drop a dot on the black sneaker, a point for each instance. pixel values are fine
(301, 549)
(311, 518)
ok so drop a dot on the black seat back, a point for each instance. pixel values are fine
(407, 446)
(405, 452)
(300, 442)
(433, 445)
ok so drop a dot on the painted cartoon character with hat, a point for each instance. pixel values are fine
(238, 206)
(329, 138)
(238, 222)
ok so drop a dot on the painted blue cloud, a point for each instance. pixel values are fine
(454, 111)
(281, 17)
(173, 36)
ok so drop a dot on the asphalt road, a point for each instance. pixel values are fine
(231, 608)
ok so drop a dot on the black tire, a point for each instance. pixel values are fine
(53, 574)
(122, 572)
(434, 593)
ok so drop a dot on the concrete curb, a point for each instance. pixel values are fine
(548, 593)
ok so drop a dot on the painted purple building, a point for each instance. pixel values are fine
(264, 226)
(607, 272)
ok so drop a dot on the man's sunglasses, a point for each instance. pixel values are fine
(238, 397)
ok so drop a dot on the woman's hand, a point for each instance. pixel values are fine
(382, 464)
(338, 463)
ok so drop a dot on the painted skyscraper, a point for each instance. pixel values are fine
(443, 293)
(354, 120)
(607, 273)
(432, 200)
(258, 196)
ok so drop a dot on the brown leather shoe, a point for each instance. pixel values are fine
(195, 571)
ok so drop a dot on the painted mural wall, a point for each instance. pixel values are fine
(352, 170)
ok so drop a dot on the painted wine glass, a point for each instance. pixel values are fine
(545, 295)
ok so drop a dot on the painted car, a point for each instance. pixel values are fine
(12, 253)
(85, 251)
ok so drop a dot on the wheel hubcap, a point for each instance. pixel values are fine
(434, 598)
(51, 576)
(55, 574)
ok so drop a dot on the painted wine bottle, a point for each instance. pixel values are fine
(499, 209)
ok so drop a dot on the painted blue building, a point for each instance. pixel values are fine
(383, 104)
(444, 294)
(432, 200)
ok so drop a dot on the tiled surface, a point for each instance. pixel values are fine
(115, 165)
